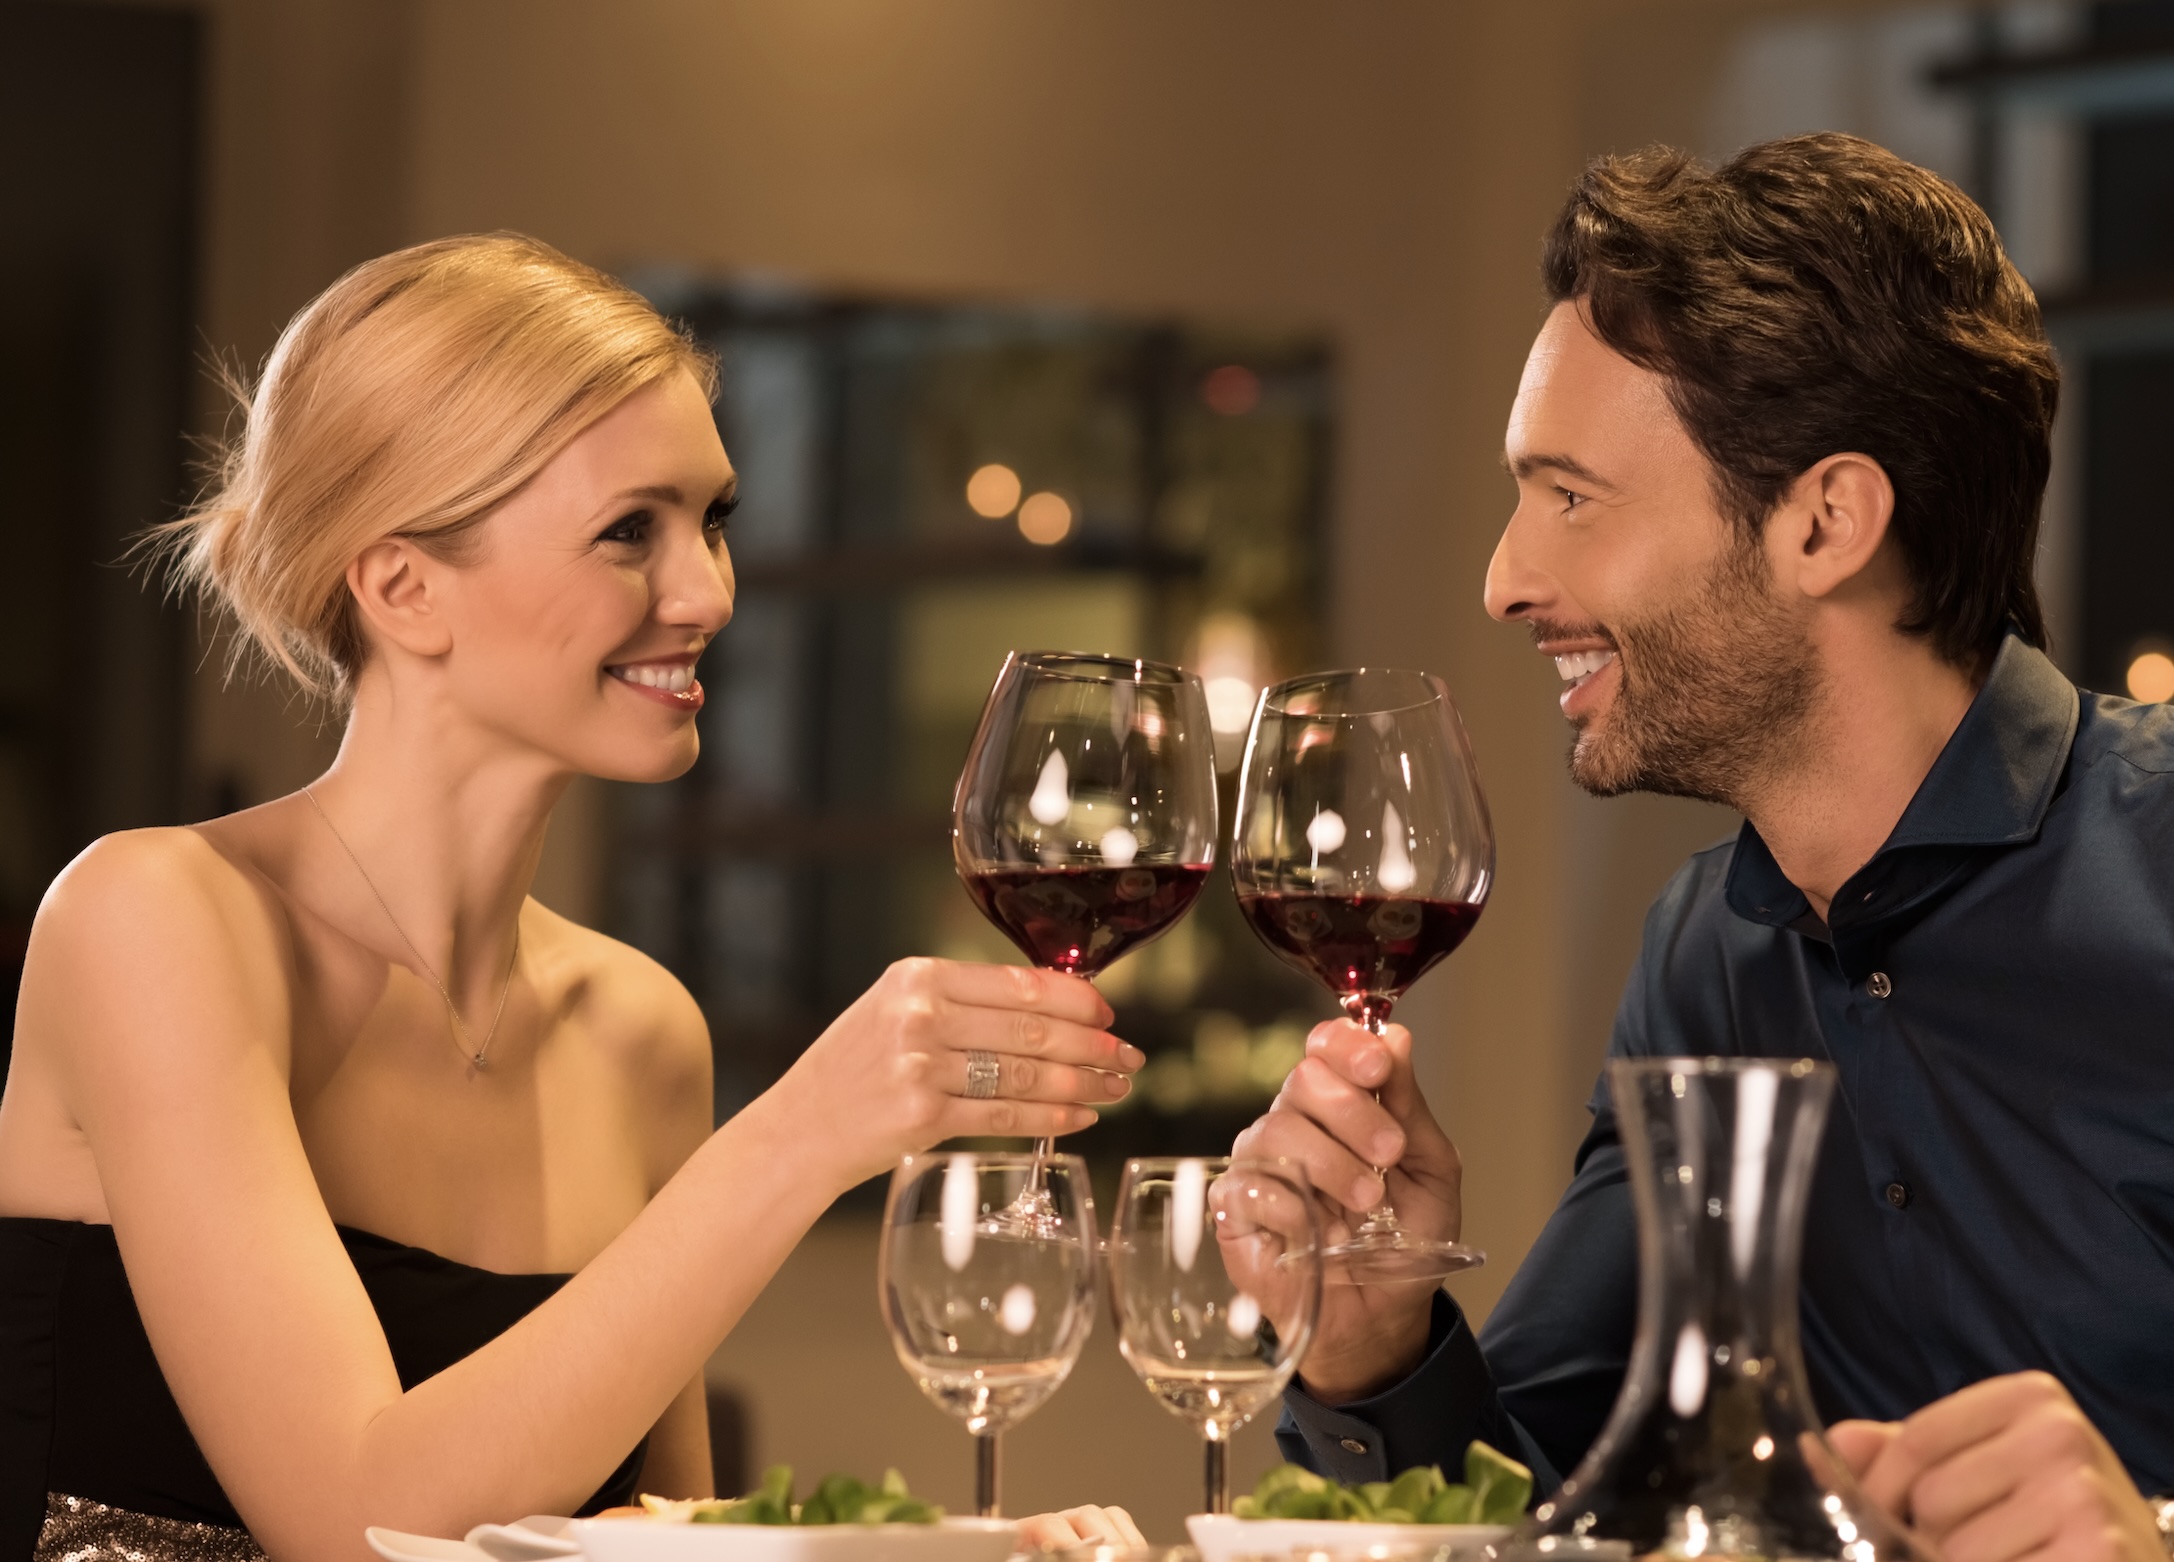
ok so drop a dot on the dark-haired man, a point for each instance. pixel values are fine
(1779, 449)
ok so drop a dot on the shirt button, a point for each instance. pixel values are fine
(1878, 985)
(1352, 1445)
(1898, 1194)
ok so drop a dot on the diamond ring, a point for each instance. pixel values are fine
(982, 1074)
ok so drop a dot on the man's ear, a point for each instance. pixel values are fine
(391, 582)
(1835, 517)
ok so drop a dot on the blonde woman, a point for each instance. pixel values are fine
(313, 1111)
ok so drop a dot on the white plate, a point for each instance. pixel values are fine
(532, 1539)
(397, 1545)
(1221, 1538)
(650, 1540)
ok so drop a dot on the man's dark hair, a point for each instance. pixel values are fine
(1819, 294)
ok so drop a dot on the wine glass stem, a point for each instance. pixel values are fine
(988, 1472)
(1035, 1196)
(1215, 1466)
(1381, 1219)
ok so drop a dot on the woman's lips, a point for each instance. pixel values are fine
(668, 683)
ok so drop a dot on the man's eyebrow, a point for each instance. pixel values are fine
(1525, 466)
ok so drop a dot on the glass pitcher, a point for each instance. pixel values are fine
(1714, 1449)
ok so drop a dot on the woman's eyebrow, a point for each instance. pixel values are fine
(663, 493)
(670, 493)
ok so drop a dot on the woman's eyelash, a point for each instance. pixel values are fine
(631, 526)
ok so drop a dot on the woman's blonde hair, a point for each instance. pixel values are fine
(406, 400)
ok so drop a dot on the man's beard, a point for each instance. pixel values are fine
(1711, 696)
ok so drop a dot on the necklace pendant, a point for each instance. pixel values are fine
(479, 1061)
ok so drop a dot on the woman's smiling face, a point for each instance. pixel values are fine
(575, 627)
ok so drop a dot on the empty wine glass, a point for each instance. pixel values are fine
(1362, 854)
(1085, 819)
(1215, 1274)
(987, 1318)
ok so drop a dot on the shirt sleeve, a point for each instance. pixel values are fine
(1539, 1381)
(1428, 1418)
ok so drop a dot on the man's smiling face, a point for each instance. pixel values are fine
(1684, 670)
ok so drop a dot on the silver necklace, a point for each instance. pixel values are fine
(461, 1033)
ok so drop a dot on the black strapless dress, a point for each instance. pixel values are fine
(85, 1411)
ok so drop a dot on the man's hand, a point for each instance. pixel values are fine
(2007, 1468)
(1327, 1119)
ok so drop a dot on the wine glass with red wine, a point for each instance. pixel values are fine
(1363, 855)
(1085, 819)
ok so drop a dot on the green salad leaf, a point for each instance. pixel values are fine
(1495, 1490)
(837, 1499)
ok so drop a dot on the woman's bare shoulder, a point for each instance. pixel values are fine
(152, 873)
(623, 997)
(155, 963)
(646, 1023)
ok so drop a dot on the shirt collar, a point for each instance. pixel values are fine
(1990, 786)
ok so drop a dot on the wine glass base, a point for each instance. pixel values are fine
(1392, 1258)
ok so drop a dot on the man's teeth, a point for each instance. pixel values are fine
(671, 679)
(1582, 664)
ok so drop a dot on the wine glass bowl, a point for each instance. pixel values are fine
(1363, 855)
(1085, 819)
(1215, 1280)
(987, 1318)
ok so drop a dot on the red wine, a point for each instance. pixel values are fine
(1082, 919)
(1367, 949)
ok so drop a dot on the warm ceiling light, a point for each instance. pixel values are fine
(2151, 677)
(993, 491)
(1045, 519)
(1233, 390)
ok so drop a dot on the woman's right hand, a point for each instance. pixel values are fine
(889, 1076)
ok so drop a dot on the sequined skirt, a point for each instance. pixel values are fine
(80, 1531)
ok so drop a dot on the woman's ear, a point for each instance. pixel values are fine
(396, 587)
(1839, 512)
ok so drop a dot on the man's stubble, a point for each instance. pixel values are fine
(1714, 695)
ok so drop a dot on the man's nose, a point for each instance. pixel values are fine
(1516, 588)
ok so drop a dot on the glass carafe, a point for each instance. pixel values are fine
(1713, 1449)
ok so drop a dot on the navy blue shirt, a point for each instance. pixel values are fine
(1995, 1190)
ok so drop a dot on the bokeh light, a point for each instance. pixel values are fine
(2151, 677)
(1231, 655)
(1045, 518)
(993, 491)
(1233, 390)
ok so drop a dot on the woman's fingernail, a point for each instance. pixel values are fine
(1130, 1056)
(1365, 1192)
(1117, 1084)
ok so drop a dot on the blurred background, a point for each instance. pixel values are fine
(1176, 331)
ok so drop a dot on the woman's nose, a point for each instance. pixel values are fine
(697, 588)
